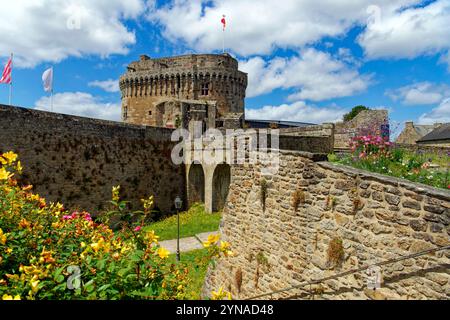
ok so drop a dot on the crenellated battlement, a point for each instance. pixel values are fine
(207, 77)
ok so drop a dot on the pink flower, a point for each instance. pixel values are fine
(67, 217)
(362, 155)
(137, 229)
(87, 217)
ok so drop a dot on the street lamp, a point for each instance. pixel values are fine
(178, 204)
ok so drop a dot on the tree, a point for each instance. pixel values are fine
(355, 111)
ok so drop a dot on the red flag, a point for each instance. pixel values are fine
(224, 22)
(6, 76)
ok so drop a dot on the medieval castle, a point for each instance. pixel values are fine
(169, 92)
(281, 225)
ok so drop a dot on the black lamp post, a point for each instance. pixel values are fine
(178, 204)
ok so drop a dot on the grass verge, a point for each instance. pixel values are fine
(197, 261)
(192, 222)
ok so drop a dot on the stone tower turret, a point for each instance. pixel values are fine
(153, 90)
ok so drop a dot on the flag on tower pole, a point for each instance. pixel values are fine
(47, 79)
(224, 24)
(7, 76)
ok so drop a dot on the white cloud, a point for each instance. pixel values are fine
(316, 75)
(297, 111)
(440, 114)
(408, 33)
(109, 85)
(51, 30)
(257, 27)
(445, 59)
(80, 104)
(420, 93)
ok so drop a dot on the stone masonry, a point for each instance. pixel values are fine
(374, 217)
(149, 84)
(77, 161)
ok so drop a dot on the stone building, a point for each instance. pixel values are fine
(163, 92)
(413, 132)
(367, 122)
(439, 137)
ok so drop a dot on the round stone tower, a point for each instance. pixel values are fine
(150, 86)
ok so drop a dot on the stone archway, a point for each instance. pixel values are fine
(196, 184)
(221, 186)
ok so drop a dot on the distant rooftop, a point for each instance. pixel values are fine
(440, 133)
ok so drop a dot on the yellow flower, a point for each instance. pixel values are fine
(115, 193)
(212, 239)
(224, 245)
(24, 224)
(221, 294)
(10, 157)
(8, 297)
(96, 246)
(147, 203)
(19, 167)
(224, 248)
(162, 253)
(151, 237)
(2, 237)
(4, 175)
(34, 285)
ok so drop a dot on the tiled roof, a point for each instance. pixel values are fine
(440, 133)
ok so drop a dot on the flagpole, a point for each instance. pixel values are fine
(10, 84)
(224, 24)
(223, 40)
(51, 92)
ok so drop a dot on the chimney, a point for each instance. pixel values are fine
(409, 125)
(144, 57)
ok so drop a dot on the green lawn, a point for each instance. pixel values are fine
(197, 261)
(192, 222)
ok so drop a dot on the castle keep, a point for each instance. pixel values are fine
(167, 92)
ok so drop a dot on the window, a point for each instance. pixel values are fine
(205, 89)
(149, 113)
(125, 113)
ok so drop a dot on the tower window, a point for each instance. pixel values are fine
(149, 113)
(205, 89)
(125, 113)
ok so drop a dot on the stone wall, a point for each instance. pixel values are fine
(424, 148)
(376, 218)
(324, 130)
(77, 160)
(367, 121)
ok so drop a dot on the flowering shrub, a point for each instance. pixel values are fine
(370, 146)
(47, 252)
(375, 153)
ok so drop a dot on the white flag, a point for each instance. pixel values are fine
(47, 78)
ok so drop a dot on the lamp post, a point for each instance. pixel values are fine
(178, 204)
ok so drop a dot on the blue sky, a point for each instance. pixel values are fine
(307, 60)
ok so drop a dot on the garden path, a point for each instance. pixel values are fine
(187, 244)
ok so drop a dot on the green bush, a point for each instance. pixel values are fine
(49, 253)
